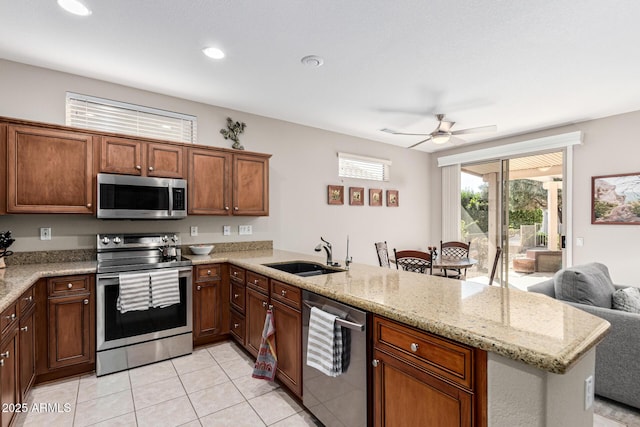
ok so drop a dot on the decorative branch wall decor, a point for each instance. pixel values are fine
(233, 131)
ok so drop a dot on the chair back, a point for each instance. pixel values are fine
(454, 249)
(495, 265)
(383, 254)
(416, 261)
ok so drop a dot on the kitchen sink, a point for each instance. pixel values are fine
(303, 268)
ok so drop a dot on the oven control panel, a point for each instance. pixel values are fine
(132, 241)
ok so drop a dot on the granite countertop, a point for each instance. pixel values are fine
(528, 327)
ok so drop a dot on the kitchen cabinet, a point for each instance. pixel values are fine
(70, 324)
(287, 318)
(237, 301)
(210, 304)
(422, 379)
(49, 170)
(224, 183)
(256, 312)
(138, 157)
(9, 374)
(27, 341)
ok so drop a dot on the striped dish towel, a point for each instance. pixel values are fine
(134, 292)
(324, 346)
(165, 288)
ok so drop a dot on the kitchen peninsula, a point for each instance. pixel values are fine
(538, 351)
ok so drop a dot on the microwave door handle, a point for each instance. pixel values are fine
(170, 200)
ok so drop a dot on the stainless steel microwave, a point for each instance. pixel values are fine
(139, 197)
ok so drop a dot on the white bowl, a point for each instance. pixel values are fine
(201, 249)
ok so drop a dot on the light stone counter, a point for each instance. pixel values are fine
(531, 328)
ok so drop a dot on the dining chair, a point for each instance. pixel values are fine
(383, 254)
(416, 261)
(495, 265)
(453, 250)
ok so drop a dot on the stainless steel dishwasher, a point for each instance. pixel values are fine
(342, 400)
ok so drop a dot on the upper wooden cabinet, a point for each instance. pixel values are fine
(49, 171)
(223, 183)
(137, 157)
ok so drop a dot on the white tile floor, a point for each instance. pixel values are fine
(211, 387)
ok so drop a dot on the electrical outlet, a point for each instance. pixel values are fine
(579, 241)
(45, 233)
(194, 230)
(245, 229)
(226, 230)
(588, 392)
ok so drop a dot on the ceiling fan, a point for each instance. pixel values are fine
(442, 133)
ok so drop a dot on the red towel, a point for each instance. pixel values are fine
(267, 361)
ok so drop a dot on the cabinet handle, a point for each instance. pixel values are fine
(88, 205)
(29, 298)
(198, 287)
(264, 303)
(138, 167)
(255, 282)
(69, 285)
(235, 296)
(270, 307)
(1, 363)
(150, 168)
(86, 301)
(11, 317)
(235, 208)
(414, 347)
(375, 363)
(226, 208)
(4, 355)
(208, 272)
(24, 328)
(235, 274)
(236, 325)
(283, 292)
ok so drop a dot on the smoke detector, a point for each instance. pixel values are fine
(312, 61)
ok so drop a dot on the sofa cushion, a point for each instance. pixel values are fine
(627, 299)
(585, 284)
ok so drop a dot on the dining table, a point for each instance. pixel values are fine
(453, 263)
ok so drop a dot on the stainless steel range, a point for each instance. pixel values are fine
(143, 301)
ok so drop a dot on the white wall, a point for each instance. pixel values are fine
(304, 162)
(610, 146)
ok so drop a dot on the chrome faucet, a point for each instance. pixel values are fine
(327, 247)
(348, 260)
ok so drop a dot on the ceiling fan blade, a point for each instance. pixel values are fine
(491, 128)
(418, 143)
(445, 126)
(393, 132)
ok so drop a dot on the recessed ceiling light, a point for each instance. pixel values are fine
(75, 7)
(312, 61)
(213, 52)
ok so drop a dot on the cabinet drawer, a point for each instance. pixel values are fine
(236, 274)
(258, 282)
(447, 359)
(205, 273)
(237, 297)
(237, 326)
(286, 294)
(9, 315)
(26, 300)
(68, 285)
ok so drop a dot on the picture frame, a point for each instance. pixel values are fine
(393, 198)
(615, 199)
(375, 197)
(335, 194)
(356, 196)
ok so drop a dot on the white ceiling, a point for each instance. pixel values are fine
(521, 65)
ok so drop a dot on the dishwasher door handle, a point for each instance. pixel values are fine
(342, 322)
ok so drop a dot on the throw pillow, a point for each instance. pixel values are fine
(627, 299)
(585, 284)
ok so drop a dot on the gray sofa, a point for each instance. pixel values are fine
(617, 375)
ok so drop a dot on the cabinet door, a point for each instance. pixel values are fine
(121, 155)
(254, 322)
(70, 331)
(49, 171)
(27, 353)
(288, 323)
(9, 375)
(165, 160)
(207, 309)
(250, 185)
(406, 396)
(209, 182)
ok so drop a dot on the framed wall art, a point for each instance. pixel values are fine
(356, 196)
(335, 194)
(392, 198)
(375, 197)
(615, 199)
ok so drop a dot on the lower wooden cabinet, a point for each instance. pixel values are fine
(288, 324)
(256, 311)
(9, 374)
(210, 304)
(423, 379)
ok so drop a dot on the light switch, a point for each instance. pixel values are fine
(245, 229)
(579, 241)
(194, 230)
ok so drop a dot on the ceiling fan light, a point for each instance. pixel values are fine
(75, 7)
(441, 138)
(213, 52)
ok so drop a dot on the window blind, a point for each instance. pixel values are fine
(354, 166)
(106, 115)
